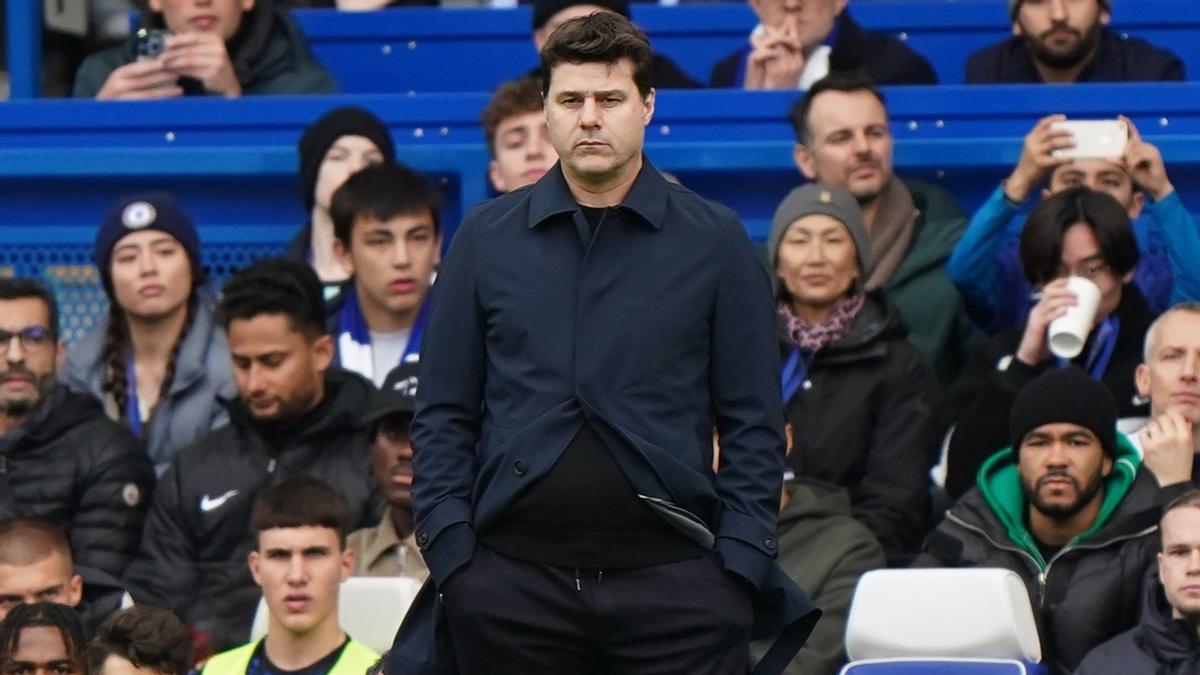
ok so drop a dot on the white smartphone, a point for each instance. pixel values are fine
(1100, 139)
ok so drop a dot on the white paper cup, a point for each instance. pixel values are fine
(1069, 332)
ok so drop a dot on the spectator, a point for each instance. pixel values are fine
(514, 127)
(1170, 378)
(388, 236)
(568, 425)
(1164, 641)
(60, 457)
(293, 416)
(157, 361)
(1068, 507)
(861, 397)
(798, 42)
(1064, 41)
(36, 566)
(825, 550)
(340, 143)
(300, 561)
(390, 549)
(843, 139)
(986, 267)
(1076, 232)
(42, 638)
(140, 639)
(220, 47)
(548, 15)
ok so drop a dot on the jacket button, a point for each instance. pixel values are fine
(769, 543)
(422, 538)
(519, 467)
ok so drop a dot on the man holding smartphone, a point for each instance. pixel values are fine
(222, 47)
(985, 266)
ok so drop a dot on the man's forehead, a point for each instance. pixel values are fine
(1059, 429)
(1090, 167)
(1180, 330)
(1181, 525)
(21, 313)
(521, 121)
(296, 538)
(835, 109)
(592, 76)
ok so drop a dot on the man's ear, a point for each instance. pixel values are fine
(322, 349)
(1141, 378)
(348, 558)
(254, 560)
(74, 591)
(60, 356)
(803, 159)
(343, 256)
(1107, 466)
(494, 176)
(1139, 201)
(648, 114)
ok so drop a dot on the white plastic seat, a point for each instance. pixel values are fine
(977, 613)
(370, 609)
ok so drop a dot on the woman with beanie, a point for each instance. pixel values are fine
(157, 360)
(860, 398)
(338, 144)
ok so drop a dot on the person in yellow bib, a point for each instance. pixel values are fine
(301, 560)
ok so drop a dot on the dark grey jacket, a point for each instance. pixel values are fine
(1158, 645)
(70, 464)
(190, 409)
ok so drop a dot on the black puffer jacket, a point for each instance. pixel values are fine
(71, 464)
(1091, 590)
(865, 419)
(193, 557)
(1158, 645)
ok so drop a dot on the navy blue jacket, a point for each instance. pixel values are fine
(1117, 59)
(659, 330)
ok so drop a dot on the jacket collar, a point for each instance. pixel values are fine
(647, 197)
(191, 363)
(383, 540)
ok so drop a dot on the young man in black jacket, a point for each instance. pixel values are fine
(1167, 639)
(1062, 41)
(293, 416)
(61, 458)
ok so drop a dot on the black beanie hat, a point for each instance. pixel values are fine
(320, 135)
(544, 9)
(1065, 396)
(149, 211)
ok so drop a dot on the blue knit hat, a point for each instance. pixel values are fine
(149, 211)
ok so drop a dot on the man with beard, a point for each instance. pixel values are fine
(1070, 509)
(1167, 639)
(1064, 41)
(843, 139)
(294, 415)
(390, 549)
(61, 458)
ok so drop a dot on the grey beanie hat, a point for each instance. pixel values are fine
(829, 200)
(1014, 4)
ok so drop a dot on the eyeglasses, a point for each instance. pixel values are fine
(33, 339)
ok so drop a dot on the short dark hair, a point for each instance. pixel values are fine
(19, 288)
(382, 191)
(1042, 235)
(28, 540)
(602, 37)
(276, 286)
(843, 82)
(1187, 500)
(42, 615)
(301, 501)
(515, 97)
(147, 637)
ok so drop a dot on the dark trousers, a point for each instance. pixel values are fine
(513, 617)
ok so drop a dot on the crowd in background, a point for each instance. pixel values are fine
(931, 422)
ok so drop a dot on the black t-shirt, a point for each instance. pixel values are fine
(260, 664)
(1048, 552)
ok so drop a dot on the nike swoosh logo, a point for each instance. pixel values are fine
(209, 503)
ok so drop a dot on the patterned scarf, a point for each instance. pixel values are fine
(810, 338)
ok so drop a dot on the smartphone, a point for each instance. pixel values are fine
(1099, 139)
(151, 42)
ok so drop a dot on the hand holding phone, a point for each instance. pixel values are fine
(1094, 139)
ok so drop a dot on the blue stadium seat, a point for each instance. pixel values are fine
(943, 667)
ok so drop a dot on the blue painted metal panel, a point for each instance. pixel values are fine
(24, 19)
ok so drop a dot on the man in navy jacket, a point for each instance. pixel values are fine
(590, 333)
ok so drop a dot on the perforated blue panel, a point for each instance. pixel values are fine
(68, 271)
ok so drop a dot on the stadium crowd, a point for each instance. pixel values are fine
(204, 449)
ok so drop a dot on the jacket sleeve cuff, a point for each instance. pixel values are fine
(453, 548)
(743, 560)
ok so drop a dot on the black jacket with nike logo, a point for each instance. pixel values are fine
(197, 536)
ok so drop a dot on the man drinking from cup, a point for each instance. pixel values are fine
(1078, 250)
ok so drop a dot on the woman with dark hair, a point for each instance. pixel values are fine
(223, 47)
(860, 398)
(42, 639)
(1077, 232)
(157, 360)
(340, 143)
(139, 639)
